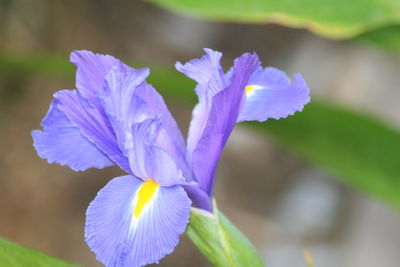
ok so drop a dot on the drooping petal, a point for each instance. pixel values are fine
(93, 124)
(92, 70)
(147, 160)
(61, 142)
(225, 109)
(271, 94)
(134, 223)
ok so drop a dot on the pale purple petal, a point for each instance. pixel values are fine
(200, 115)
(225, 109)
(93, 125)
(199, 198)
(147, 160)
(92, 70)
(274, 96)
(209, 75)
(127, 98)
(117, 95)
(122, 106)
(170, 138)
(118, 238)
(207, 72)
(61, 142)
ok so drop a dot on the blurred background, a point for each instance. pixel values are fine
(280, 201)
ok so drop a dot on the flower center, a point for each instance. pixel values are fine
(144, 194)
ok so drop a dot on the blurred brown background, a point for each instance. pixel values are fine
(281, 203)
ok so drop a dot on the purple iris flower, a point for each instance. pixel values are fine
(116, 118)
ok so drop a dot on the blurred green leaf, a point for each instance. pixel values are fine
(361, 151)
(172, 84)
(329, 18)
(14, 255)
(19, 64)
(220, 241)
(386, 38)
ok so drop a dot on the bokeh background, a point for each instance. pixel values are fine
(281, 202)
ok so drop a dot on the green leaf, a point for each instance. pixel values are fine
(363, 152)
(329, 18)
(386, 38)
(220, 241)
(14, 255)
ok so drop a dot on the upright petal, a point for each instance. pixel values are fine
(92, 70)
(121, 87)
(171, 138)
(122, 106)
(209, 75)
(207, 72)
(93, 124)
(200, 115)
(147, 160)
(62, 142)
(134, 223)
(225, 109)
(127, 99)
(271, 94)
(91, 79)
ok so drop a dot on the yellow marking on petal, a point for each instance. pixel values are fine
(309, 258)
(249, 88)
(144, 194)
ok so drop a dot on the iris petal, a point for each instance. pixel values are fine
(127, 98)
(171, 138)
(122, 106)
(119, 238)
(200, 115)
(62, 142)
(117, 95)
(207, 72)
(209, 75)
(225, 109)
(93, 123)
(147, 160)
(91, 79)
(273, 95)
(92, 70)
